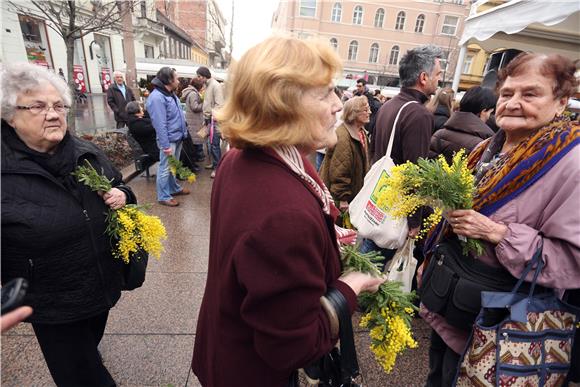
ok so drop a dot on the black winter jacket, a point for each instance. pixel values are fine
(440, 116)
(463, 130)
(56, 241)
(118, 103)
(143, 132)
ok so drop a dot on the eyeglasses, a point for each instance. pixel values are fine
(38, 108)
(364, 110)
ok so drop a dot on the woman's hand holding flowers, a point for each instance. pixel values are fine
(362, 282)
(472, 224)
(115, 198)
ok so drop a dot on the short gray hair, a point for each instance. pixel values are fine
(117, 72)
(416, 61)
(133, 107)
(19, 78)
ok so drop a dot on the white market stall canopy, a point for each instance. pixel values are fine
(542, 26)
(185, 69)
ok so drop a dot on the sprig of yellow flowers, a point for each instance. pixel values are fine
(130, 227)
(180, 171)
(434, 183)
(388, 312)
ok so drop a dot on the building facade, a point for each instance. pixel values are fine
(372, 36)
(203, 21)
(27, 36)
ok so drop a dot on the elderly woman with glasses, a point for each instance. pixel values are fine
(345, 166)
(53, 227)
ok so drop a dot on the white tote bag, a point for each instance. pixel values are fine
(372, 221)
(403, 265)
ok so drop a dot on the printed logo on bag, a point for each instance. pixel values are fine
(379, 187)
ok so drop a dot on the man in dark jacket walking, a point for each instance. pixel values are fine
(419, 71)
(375, 104)
(118, 96)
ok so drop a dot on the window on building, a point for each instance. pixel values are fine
(379, 18)
(449, 25)
(337, 12)
(467, 64)
(420, 23)
(143, 8)
(308, 8)
(334, 43)
(357, 16)
(149, 51)
(400, 21)
(35, 40)
(353, 50)
(374, 53)
(460, 2)
(394, 57)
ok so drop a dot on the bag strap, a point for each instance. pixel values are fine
(536, 260)
(391, 139)
(348, 361)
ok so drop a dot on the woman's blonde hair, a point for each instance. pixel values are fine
(444, 97)
(264, 105)
(352, 107)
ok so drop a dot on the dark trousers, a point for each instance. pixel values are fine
(368, 245)
(443, 363)
(70, 352)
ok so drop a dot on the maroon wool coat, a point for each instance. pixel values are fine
(272, 255)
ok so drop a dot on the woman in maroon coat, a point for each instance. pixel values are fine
(273, 247)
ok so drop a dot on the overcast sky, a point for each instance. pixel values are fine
(251, 22)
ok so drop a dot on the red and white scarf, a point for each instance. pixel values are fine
(294, 160)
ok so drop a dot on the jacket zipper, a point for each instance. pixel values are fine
(101, 275)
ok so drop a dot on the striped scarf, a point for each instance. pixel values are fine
(290, 156)
(515, 170)
(522, 166)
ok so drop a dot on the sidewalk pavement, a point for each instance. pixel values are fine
(95, 115)
(150, 332)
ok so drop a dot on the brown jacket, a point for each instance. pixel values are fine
(464, 130)
(345, 166)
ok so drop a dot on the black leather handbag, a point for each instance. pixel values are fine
(134, 271)
(453, 282)
(340, 367)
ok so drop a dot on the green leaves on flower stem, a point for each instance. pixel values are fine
(89, 176)
(179, 170)
(474, 246)
(354, 260)
(389, 292)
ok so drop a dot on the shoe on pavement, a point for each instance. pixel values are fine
(209, 166)
(184, 191)
(169, 203)
(212, 174)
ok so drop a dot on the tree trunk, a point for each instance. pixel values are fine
(70, 56)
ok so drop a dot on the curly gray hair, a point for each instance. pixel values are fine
(19, 78)
(416, 61)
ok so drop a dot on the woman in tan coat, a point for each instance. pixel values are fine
(345, 166)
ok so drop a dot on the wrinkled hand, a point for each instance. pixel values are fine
(168, 152)
(472, 224)
(362, 282)
(11, 319)
(343, 205)
(115, 198)
(413, 232)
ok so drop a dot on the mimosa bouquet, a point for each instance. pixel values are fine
(180, 171)
(129, 226)
(434, 183)
(388, 312)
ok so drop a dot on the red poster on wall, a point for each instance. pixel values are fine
(79, 78)
(105, 78)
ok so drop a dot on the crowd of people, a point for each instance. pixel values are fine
(277, 222)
